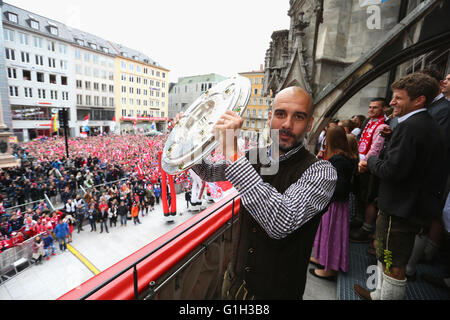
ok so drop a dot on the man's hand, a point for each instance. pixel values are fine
(386, 132)
(363, 167)
(226, 132)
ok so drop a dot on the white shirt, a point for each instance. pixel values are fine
(439, 97)
(406, 116)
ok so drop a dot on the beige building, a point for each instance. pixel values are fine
(257, 111)
(142, 94)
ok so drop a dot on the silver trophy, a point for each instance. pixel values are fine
(192, 139)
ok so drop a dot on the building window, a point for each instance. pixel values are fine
(77, 54)
(8, 34)
(34, 24)
(14, 91)
(37, 41)
(96, 86)
(65, 96)
(87, 85)
(79, 99)
(105, 50)
(124, 65)
(93, 46)
(41, 93)
(64, 81)
(12, 73)
(111, 102)
(79, 42)
(10, 54)
(88, 100)
(52, 62)
(63, 49)
(24, 38)
(53, 79)
(13, 17)
(51, 46)
(28, 92)
(63, 65)
(79, 84)
(53, 30)
(25, 57)
(26, 75)
(39, 60)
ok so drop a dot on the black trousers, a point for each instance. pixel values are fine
(103, 222)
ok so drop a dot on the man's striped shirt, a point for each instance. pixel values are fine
(278, 214)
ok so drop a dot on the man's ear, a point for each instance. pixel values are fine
(421, 101)
(311, 121)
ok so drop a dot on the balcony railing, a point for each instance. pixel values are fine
(186, 263)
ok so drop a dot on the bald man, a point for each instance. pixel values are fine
(280, 209)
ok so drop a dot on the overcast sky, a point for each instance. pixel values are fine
(189, 37)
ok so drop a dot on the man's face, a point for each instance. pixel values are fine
(403, 104)
(375, 109)
(445, 86)
(292, 116)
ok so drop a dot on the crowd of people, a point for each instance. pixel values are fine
(393, 186)
(106, 181)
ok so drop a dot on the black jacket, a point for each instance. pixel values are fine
(345, 168)
(411, 173)
(440, 111)
(122, 210)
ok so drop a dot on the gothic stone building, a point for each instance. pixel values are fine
(326, 37)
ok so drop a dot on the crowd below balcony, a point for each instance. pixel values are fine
(106, 181)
